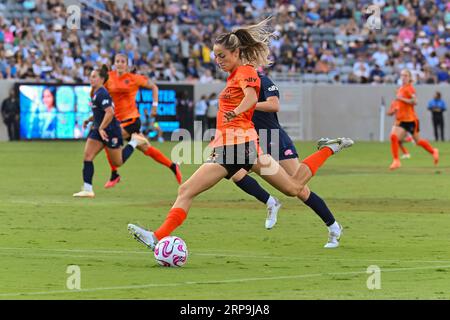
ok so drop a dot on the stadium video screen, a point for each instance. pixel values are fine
(57, 111)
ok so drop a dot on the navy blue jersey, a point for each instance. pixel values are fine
(282, 148)
(261, 119)
(100, 102)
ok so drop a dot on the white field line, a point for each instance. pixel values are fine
(218, 254)
(187, 283)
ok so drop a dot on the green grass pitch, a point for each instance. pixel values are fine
(398, 221)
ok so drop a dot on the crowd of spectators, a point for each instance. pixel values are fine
(172, 40)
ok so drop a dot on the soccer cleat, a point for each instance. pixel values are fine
(436, 156)
(112, 183)
(335, 145)
(395, 164)
(406, 156)
(175, 167)
(139, 139)
(84, 194)
(272, 212)
(333, 238)
(145, 237)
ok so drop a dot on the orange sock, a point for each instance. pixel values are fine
(158, 156)
(113, 168)
(174, 219)
(426, 145)
(402, 147)
(394, 146)
(316, 160)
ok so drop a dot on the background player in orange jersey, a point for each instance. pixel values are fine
(408, 138)
(236, 143)
(123, 87)
(407, 120)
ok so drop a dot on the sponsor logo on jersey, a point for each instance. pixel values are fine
(114, 142)
(251, 79)
(273, 88)
(105, 101)
(288, 152)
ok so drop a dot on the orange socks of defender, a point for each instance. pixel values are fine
(316, 160)
(158, 156)
(174, 219)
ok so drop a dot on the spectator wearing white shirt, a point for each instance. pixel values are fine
(206, 77)
(380, 57)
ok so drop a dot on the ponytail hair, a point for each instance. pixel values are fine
(103, 73)
(252, 41)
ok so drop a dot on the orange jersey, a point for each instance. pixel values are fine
(405, 112)
(123, 90)
(393, 110)
(240, 129)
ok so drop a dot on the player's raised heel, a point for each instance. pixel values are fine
(84, 194)
(272, 212)
(112, 183)
(143, 236)
(335, 145)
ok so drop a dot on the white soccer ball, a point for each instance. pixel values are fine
(171, 252)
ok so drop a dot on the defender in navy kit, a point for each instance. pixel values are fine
(280, 146)
(266, 121)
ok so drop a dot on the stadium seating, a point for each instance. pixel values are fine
(347, 38)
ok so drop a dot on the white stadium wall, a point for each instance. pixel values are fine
(311, 111)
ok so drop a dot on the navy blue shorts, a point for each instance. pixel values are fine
(285, 147)
(115, 140)
(131, 125)
(235, 157)
(411, 127)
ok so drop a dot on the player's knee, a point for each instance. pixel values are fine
(88, 156)
(117, 163)
(304, 194)
(292, 190)
(184, 191)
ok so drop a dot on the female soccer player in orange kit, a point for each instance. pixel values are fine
(408, 138)
(236, 142)
(407, 120)
(123, 87)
